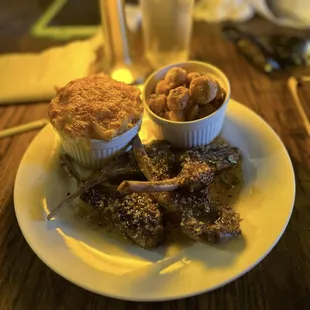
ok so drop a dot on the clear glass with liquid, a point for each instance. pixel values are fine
(167, 27)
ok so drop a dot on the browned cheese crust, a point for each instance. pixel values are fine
(95, 107)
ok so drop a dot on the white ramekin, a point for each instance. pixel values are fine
(91, 153)
(193, 133)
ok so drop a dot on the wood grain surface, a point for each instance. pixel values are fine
(281, 281)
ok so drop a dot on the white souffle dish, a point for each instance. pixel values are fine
(188, 134)
(92, 153)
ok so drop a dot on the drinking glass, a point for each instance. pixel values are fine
(167, 27)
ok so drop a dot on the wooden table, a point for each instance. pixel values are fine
(281, 281)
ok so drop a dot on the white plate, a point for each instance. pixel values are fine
(113, 267)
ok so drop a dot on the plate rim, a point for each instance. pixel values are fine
(176, 296)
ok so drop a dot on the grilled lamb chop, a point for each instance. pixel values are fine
(218, 225)
(120, 166)
(218, 156)
(197, 169)
(203, 220)
(152, 171)
(136, 216)
(200, 219)
(199, 174)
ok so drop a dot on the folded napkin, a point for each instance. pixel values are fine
(34, 77)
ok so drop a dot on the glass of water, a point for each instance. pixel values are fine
(167, 27)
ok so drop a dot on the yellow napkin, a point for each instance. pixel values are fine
(33, 77)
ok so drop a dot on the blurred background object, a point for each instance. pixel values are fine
(293, 84)
(287, 13)
(119, 60)
(270, 53)
(85, 19)
(75, 25)
(167, 27)
(223, 10)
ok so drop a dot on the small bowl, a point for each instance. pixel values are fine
(192, 133)
(92, 153)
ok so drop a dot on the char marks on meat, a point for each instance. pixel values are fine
(162, 158)
(218, 155)
(136, 216)
(218, 225)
